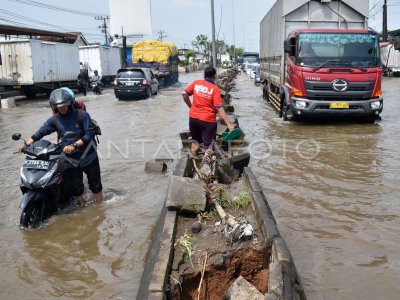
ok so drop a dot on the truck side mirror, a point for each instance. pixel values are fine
(290, 46)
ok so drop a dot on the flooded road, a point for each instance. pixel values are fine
(333, 189)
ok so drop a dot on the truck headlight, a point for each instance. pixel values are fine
(300, 104)
(376, 105)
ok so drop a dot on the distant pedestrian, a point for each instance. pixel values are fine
(206, 104)
(97, 78)
(83, 79)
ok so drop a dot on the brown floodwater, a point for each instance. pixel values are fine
(333, 189)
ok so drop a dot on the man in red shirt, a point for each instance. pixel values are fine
(206, 104)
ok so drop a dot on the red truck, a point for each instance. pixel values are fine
(319, 59)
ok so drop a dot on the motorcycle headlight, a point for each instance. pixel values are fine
(46, 177)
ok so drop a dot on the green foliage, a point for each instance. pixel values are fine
(201, 43)
(238, 51)
(186, 244)
(188, 55)
(238, 201)
(204, 216)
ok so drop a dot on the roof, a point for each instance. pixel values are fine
(65, 37)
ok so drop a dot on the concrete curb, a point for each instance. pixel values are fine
(264, 217)
(283, 274)
(160, 276)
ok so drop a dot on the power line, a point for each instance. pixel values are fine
(17, 16)
(376, 4)
(53, 7)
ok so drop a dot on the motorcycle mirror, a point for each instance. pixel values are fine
(70, 134)
(16, 136)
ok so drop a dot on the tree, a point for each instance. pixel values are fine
(188, 55)
(238, 51)
(202, 44)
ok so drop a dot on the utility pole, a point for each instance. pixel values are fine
(234, 45)
(161, 35)
(384, 26)
(214, 53)
(104, 26)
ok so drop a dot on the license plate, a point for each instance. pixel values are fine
(36, 164)
(339, 105)
(16, 87)
(129, 83)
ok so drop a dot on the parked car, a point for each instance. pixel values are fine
(249, 69)
(135, 82)
(257, 79)
(253, 70)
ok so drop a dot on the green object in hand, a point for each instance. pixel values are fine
(232, 135)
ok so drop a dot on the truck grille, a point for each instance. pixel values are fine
(317, 90)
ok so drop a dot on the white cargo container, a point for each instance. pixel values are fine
(390, 58)
(38, 66)
(104, 59)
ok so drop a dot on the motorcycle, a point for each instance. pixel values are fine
(47, 181)
(95, 87)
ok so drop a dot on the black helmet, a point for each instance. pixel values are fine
(61, 97)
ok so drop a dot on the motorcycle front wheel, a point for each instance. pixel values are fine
(32, 215)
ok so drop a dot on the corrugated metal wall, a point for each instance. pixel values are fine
(34, 61)
(103, 59)
(16, 67)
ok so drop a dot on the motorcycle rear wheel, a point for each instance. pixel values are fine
(32, 215)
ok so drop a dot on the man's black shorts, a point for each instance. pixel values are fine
(202, 132)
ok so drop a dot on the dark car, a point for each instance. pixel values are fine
(135, 82)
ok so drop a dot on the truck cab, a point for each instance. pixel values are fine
(332, 72)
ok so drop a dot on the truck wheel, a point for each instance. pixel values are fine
(266, 92)
(30, 92)
(287, 113)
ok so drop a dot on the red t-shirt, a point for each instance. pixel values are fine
(206, 100)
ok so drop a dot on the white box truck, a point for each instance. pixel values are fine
(36, 66)
(318, 58)
(106, 60)
(390, 57)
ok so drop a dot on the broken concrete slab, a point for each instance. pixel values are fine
(186, 194)
(271, 297)
(229, 108)
(242, 289)
(240, 161)
(155, 167)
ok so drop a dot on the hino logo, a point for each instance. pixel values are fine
(340, 85)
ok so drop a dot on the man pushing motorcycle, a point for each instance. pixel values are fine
(81, 150)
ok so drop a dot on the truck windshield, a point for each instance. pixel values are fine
(250, 59)
(358, 50)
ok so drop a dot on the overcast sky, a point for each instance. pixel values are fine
(181, 20)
